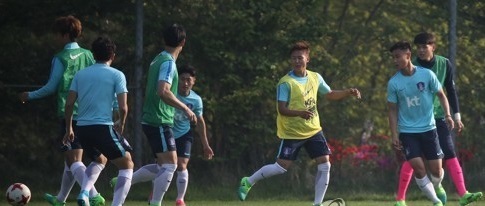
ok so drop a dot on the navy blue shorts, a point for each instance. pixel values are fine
(62, 131)
(184, 144)
(160, 138)
(316, 146)
(421, 144)
(102, 139)
(444, 136)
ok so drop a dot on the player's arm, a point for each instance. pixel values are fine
(446, 108)
(392, 116)
(201, 130)
(341, 94)
(168, 97)
(122, 111)
(452, 94)
(57, 70)
(68, 111)
(282, 95)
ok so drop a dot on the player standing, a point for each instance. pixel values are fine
(298, 122)
(410, 95)
(95, 88)
(64, 65)
(444, 70)
(159, 110)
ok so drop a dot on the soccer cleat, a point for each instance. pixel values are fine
(400, 203)
(83, 199)
(441, 194)
(438, 204)
(97, 200)
(179, 203)
(53, 200)
(244, 188)
(112, 182)
(469, 198)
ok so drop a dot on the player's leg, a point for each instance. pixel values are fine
(162, 143)
(433, 154)
(286, 155)
(318, 149)
(122, 159)
(405, 175)
(412, 144)
(184, 147)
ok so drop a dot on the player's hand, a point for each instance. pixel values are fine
(306, 114)
(118, 127)
(68, 137)
(459, 126)
(208, 153)
(396, 144)
(354, 92)
(24, 97)
(191, 116)
(450, 122)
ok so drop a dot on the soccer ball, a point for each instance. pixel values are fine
(18, 194)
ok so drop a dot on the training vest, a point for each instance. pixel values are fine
(73, 61)
(439, 68)
(302, 97)
(155, 111)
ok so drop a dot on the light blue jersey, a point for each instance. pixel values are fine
(283, 93)
(414, 97)
(96, 87)
(181, 122)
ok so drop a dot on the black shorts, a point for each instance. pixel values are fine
(184, 144)
(62, 131)
(160, 138)
(444, 136)
(316, 146)
(103, 139)
(421, 144)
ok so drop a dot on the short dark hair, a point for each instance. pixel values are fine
(401, 45)
(103, 48)
(174, 35)
(300, 45)
(424, 38)
(189, 69)
(68, 25)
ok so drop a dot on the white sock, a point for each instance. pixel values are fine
(67, 183)
(92, 172)
(321, 182)
(145, 174)
(437, 180)
(122, 187)
(427, 188)
(265, 172)
(182, 183)
(77, 169)
(162, 182)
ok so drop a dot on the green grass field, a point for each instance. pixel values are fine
(263, 203)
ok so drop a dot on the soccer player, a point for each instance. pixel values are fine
(159, 110)
(444, 70)
(64, 65)
(298, 122)
(94, 88)
(410, 95)
(182, 132)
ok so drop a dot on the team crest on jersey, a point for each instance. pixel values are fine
(420, 86)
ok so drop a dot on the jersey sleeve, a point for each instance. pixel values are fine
(120, 86)
(74, 83)
(449, 84)
(167, 71)
(283, 92)
(434, 83)
(391, 92)
(198, 109)
(323, 87)
(57, 70)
